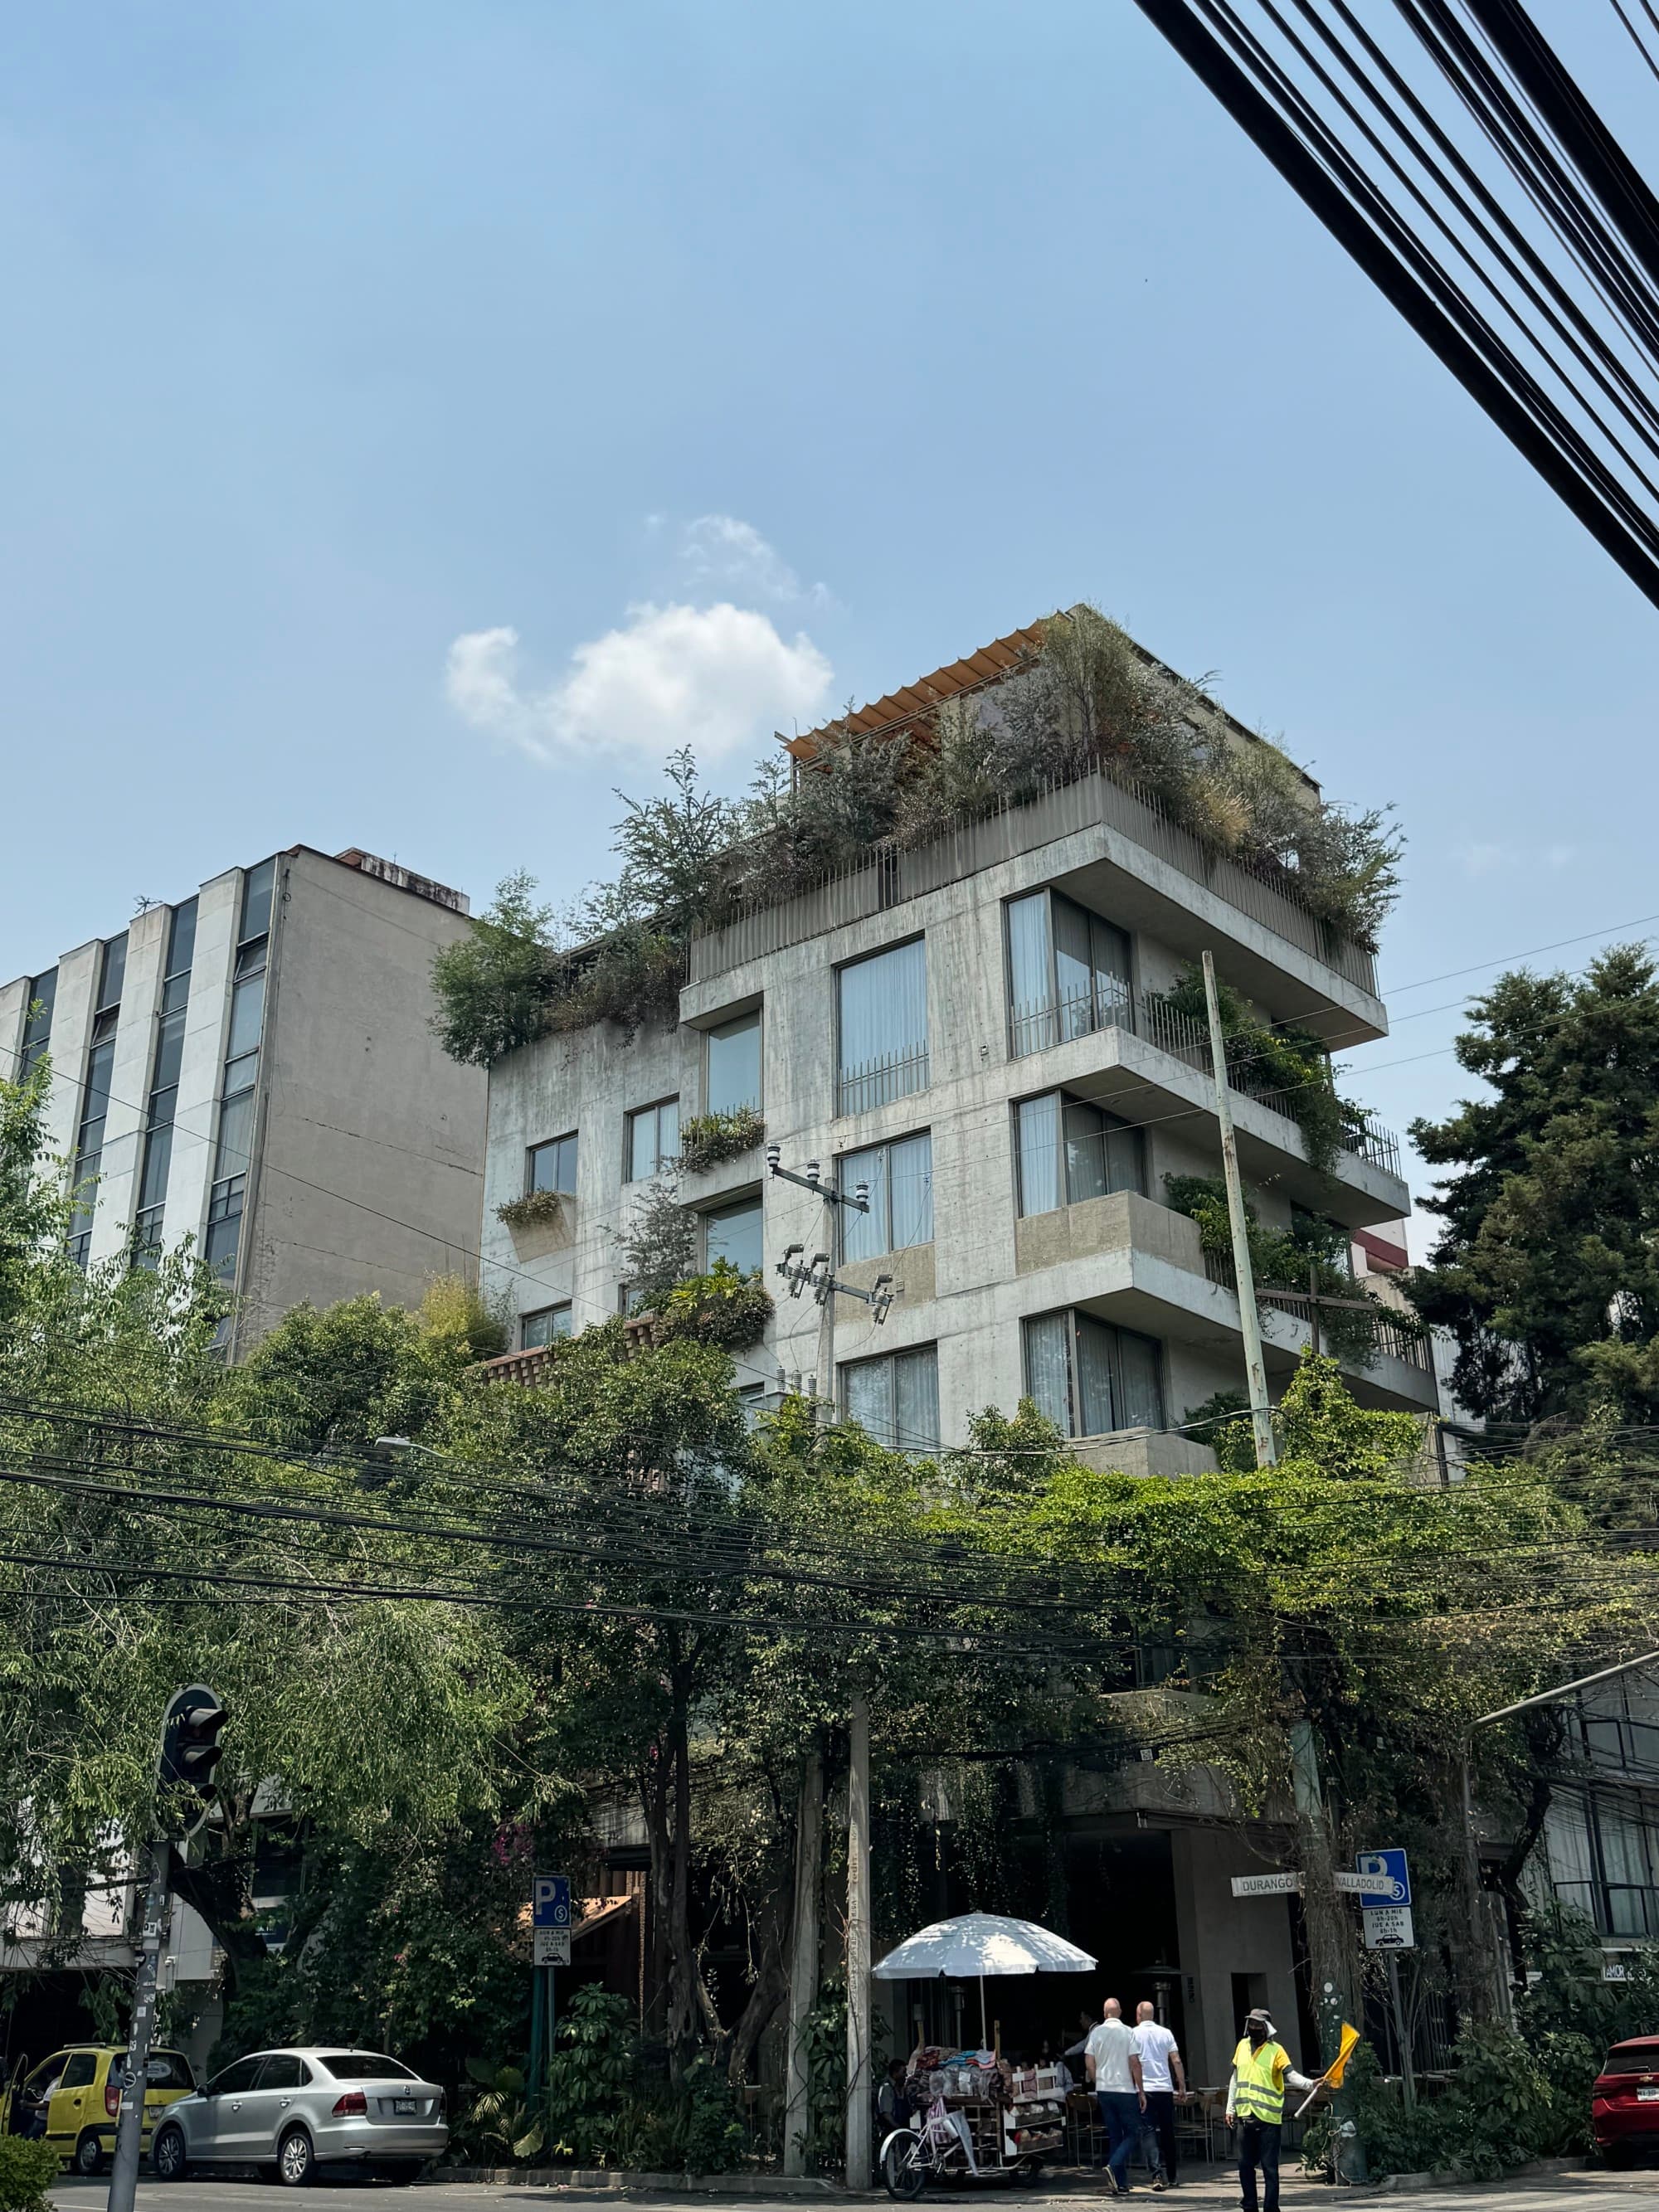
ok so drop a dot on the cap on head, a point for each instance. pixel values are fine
(1260, 2017)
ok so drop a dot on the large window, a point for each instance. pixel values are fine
(899, 1180)
(238, 1090)
(733, 1070)
(157, 1158)
(654, 1138)
(544, 1326)
(881, 1028)
(733, 1233)
(1604, 1860)
(552, 1166)
(37, 1029)
(95, 1097)
(895, 1400)
(1070, 1149)
(1068, 972)
(1091, 1378)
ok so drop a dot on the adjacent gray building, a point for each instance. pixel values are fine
(255, 1068)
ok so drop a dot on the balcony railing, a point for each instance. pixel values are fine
(1268, 895)
(1041, 1024)
(1391, 1338)
(879, 1082)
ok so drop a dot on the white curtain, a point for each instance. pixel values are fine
(1049, 1369)
(884, 1008)
(1038, 1120)
(915, 1399)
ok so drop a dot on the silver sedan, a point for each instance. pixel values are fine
(291, 2111)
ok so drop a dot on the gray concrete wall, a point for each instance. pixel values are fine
(1129, 1260)
(369, 1154)
(1222, 1936)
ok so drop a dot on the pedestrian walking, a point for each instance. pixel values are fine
(1113, 2057)
(1255, 2100)
(1161, 2076)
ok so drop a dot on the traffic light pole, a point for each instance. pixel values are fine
(129, 2128)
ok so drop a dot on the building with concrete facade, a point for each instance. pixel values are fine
(976, 1031)
(255, 1068)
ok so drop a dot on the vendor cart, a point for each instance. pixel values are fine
(979, 2123)
(974, 2117)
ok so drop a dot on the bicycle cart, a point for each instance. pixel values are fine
(983, 2123)
(978, 2119)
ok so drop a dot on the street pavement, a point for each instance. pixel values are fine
(1591, 2190)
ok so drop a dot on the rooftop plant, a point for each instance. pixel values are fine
(687, 860)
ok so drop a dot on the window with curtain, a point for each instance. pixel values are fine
(1089, 1378)
(881, 1028)
(733, 1064)
(899, 1177)
(1069, 972)
(653, 1138)
(895, 1400)
(552, 1166)
(734, 1233)
(1070, 1149)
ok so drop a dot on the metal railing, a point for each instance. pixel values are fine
(1391, 1337)
(1038, 1025)
(1266, 893)
(878, 1082)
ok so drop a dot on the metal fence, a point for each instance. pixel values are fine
(1392, 1336)
(1266, 892)
(878, 1082)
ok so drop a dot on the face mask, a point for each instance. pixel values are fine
(1258, 2035)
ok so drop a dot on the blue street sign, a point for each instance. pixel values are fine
(1386, 1871)
(549, 1901)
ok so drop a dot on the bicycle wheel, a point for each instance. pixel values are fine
(904, 2173)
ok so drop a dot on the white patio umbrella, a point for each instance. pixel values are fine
(980, 1943)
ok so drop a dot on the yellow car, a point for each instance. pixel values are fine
(72, 2099)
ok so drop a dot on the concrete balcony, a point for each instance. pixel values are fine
(1152, 1066)
(1119, 850)
(1129, 1261)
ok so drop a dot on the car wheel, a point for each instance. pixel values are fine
(400, 2170)
(168, 2158)
(88, 2157)
(296, 2159)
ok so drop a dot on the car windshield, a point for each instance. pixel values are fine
(1634, 2059)
(365, 2066)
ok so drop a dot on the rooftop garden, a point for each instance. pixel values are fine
(689, 860)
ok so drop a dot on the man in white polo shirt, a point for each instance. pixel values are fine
(1114, 2062)
(1161, 2076)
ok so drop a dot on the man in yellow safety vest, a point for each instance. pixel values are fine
(1256, 2102)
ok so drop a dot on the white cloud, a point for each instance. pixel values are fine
(722, 552)
(718, 678)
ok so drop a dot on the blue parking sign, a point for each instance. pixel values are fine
(1386, 1871)
(549, 1901)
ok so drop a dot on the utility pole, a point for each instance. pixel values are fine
(190, 1750)
(803, 1955)
(1261, 1419)
(1330, 1938)
(858, 1946)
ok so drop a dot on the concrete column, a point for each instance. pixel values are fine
(71, 1027)
(14, 1013)
(128, 1100)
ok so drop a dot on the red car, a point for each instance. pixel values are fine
(1624, 2102)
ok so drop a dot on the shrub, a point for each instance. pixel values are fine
(708, 1139)
(499, 2118)
(494, 987)
(658, 1247)
(535, 1209)
(590, 2076)
(723, 1307)
(27, 2170)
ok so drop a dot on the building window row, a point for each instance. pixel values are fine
(37, 1027)
(1069, 1150)
(156, 1160)
(239, 1085)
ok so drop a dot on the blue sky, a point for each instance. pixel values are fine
(771, 356)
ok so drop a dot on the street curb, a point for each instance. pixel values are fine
(1410, 2184)
(619, 2181)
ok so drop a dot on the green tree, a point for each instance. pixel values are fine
(1547, 1270)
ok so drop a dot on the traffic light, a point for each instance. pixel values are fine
(190, 1749)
